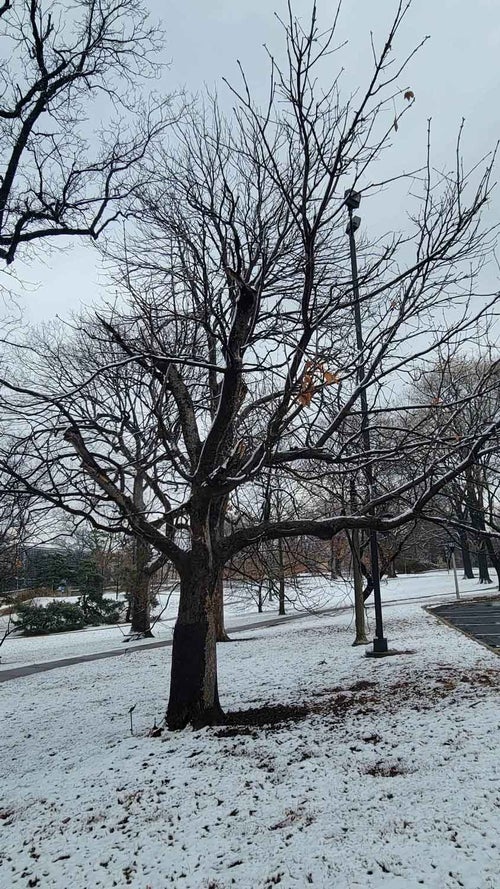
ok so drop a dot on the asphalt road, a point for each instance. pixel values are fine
(478, 619)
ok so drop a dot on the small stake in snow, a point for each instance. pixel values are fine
(131, 718)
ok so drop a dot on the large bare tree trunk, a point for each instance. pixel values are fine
(281, 578)
(333, 560)
(140, 610)
(466, 558)
(218, 605)
(140, 598)
(194, 697)
(359, 596)
(476, 512)
(482, 564)
(494, 557)
(359, 604)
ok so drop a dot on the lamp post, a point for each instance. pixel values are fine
(453, 561)
(352, 202)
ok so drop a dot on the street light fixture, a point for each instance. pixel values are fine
(352, 200)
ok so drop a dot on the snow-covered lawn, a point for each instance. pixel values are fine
(387, 775)
(312, 593)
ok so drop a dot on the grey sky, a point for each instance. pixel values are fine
(456, 74)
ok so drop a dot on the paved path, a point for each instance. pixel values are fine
(481, 620)
(29, 669)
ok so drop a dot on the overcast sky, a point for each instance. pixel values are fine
(455, 75)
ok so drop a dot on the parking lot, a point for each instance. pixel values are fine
(478, 619)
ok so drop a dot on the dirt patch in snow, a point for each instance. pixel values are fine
(242, 721)
(363, 697)
(383, 769)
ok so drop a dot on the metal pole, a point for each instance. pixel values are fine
(359, 605)
(455, 575)
(379, 642)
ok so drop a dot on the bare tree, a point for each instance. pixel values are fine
(14, 527)
(113, 401)
(238, 271)
(274, 564)
(462, 392)
(62, 60)
(63, 174)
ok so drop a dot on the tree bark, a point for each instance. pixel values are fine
(476, 512)
(391, 568)
(494, 558)
(281, 579)
(482, 564)
(359, 605)
(139, 590)
(466, 557)
(194, 698)
(260, 601)
(333, 560)
(140, 599)
(218, 605)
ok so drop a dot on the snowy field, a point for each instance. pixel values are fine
(312, 594)
(387, 775)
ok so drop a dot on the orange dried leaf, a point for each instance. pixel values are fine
(330, 378)
(305, 398)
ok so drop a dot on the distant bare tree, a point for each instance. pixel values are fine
(274, 564)
(113, 401)
(463, 392)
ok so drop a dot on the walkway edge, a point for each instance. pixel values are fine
(45, 666)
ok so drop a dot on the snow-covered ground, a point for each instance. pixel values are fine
(387, 777)
(310, 594)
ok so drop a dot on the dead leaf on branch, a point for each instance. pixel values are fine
(330, 378)
(304, 398)
(314, 378)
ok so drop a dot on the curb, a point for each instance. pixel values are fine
(431, 609)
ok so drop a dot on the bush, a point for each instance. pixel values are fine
(91, 610)
(56, 617)
(98, 610)
(413, 566)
